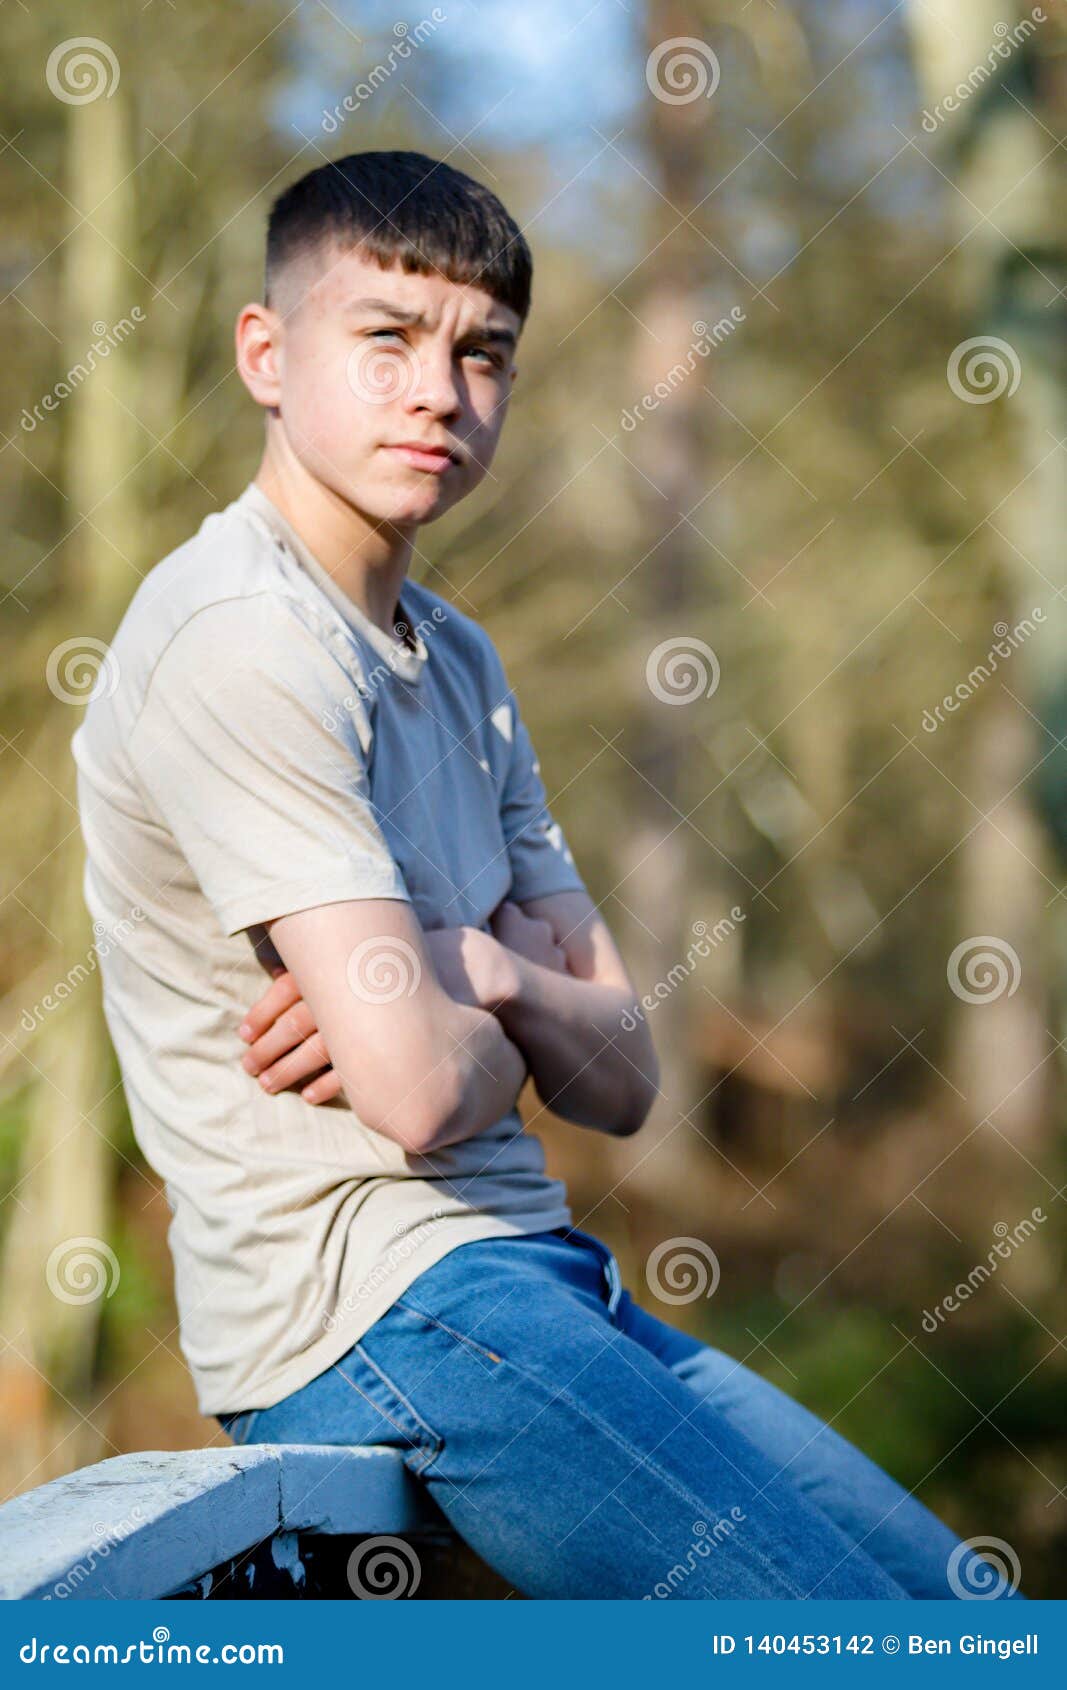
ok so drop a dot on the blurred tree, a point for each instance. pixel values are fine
(996, 94)
(117, 152)
(670, 582)
(64, 1182)
(804, 502)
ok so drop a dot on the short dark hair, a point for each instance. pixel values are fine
(405, 208)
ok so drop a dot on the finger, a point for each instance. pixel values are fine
(278, 997)
(321, 1090)
(510, 926)
(300, 1064)
(292, 1027)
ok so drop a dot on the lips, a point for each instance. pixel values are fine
(435, 459)
(425, 449)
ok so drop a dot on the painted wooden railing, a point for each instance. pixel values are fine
(264, 1520)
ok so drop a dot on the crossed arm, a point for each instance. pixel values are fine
(435, 1044)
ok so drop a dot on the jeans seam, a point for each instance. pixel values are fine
(643, 1461)
(437, 1442)
(460, 1337)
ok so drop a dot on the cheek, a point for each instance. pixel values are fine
(327, 411)
(489, 410)
(321, 397)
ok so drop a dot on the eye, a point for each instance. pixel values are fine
(483, 352)
(394, 334)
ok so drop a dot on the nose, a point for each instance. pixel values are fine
(435, 389)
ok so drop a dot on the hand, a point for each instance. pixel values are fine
(471, 966)
(529, 936)
(284, 1044)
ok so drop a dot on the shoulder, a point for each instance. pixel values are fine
(217, 606)
(229, 558)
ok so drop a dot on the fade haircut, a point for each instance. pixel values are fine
(402, 208)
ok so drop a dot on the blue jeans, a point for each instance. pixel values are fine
(585, 1448)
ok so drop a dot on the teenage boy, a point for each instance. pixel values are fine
(312, 764)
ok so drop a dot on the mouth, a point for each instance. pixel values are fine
(435, 459)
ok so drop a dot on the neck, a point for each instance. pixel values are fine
(368, 559)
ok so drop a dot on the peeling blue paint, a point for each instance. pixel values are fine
(194, 1510)
(285, 1553)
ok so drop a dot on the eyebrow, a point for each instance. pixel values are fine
(416, 319)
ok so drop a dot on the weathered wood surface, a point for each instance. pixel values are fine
(141, 1526)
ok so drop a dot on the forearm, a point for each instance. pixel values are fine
(586, 1060)
(485, 1075)
(418, 1066)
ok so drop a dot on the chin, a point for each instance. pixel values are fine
(409, 505)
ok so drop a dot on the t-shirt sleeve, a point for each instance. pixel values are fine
(251, 748)
(540, 858)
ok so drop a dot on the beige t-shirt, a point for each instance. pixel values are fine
(259, 746)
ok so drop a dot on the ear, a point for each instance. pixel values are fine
(258, 342)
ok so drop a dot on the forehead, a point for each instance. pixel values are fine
(344, 280)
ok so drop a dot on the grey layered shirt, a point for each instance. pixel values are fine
(262, 747)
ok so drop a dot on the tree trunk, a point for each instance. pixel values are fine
(1009, 206)
(668, 877)
(55, 1246)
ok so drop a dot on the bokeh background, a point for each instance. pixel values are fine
(774, 552)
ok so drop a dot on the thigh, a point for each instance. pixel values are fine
(573, 1459)
(917, 1550)
(350, 1402)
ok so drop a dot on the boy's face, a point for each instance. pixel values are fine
(364, 365)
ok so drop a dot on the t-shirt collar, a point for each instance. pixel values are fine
(403, 660)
